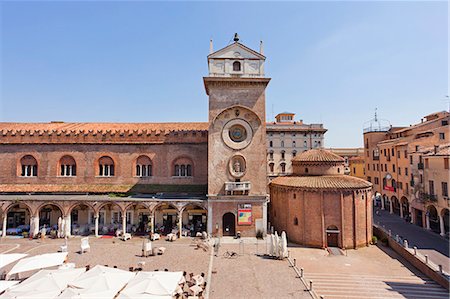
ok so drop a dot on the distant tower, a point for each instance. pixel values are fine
(237, 181)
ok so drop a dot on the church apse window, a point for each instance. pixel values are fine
(236, 66)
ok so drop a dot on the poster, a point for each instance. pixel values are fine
(244, 216)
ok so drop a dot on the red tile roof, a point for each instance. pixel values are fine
(317, 155)
(326, 182)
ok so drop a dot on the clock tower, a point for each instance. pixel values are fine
(237, 178)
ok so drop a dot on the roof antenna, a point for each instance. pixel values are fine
(376, 117)
(236, 37)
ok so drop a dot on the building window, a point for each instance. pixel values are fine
(369, 179)
(236, 66)
(271, 155)
(295, 221)
(28, 166)
(392, 152)
(305, 143)
(406, 154)
(399, 171)
(444, 186)
(400, 185)
(294, 195)
(426, 163)
(378, 167)
(376, 180)
(282, 155)
(442, 136)
(270, 143)
(143, 167)
(393, 168)
(446, 163)
(67, 166)
(105, 166)
(431, 185)
(282, 143)
(271, 167)
(283, 167)
(293, 143)
(411, 159)
(444, 122)
(294, 153)
(182, 167)
(306, 170)
(406, 171)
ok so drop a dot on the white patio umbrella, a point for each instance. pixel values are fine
(8, 258)
(6, 284)
(284, 249)
(39, 262)
(99, 282)
(44, 284)
(158, 284)
(272, 245)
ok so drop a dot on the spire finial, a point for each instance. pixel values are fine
(236, 37)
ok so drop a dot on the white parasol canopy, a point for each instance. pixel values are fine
(152, 285)
(6, 284)
(44, 284)
(8, 258)
(39, 262)
(99, 282)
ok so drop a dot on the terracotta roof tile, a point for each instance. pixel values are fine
(326, 182)
(318, 155)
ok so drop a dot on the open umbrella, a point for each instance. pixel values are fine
(8, 258)
(99, 282)
(39, 262)
(6, 284)
(44, 284)
(152, 284)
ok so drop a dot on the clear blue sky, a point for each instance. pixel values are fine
(330, 62)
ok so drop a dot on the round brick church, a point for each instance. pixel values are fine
(319, 206)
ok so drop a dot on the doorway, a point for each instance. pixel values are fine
(229, 224)
(332, 236)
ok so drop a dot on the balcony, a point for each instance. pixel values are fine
(237, 188)
(420, 166)
(428, 197)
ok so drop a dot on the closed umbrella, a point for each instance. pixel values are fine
(44, 284)
(59, 227)
(39, 262)
(284, 249)
(277, 245)
(8, 258)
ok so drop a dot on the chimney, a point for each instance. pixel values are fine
(211, 49)
(261, 47)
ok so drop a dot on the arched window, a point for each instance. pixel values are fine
(294, 153)
(295, 221)
(270, 143)
(283, 167)
(271, 167)
(283, 153)
(143, 166)
(293, 143)
(28, 166)
(105, 166)
(182, 167)
(67, 166)
(236, 66)
(305, 143)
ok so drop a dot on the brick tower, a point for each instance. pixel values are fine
(237, 178)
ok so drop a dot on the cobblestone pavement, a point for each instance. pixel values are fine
(253, 276)
(428, 242)
(371, 272)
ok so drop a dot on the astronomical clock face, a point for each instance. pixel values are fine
(237, 134)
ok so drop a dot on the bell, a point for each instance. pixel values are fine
(236, 37)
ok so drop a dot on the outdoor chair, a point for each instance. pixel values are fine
(63, 248)
(85, 245)
(126, 236)
(161, 250)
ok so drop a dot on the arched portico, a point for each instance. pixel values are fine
(404, 208)
(395, 205)
(138, 218)
(49, 216)
(16, 219)
(165, 218)
(111, 219)
(444, 222)
(194, 219)
(79, 220)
